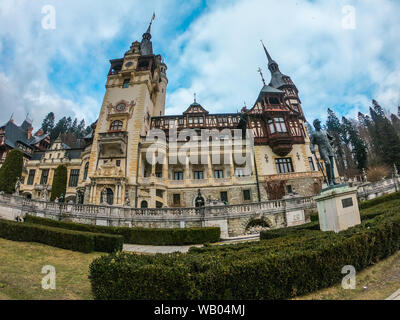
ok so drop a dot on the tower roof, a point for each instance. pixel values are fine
(146, 47)
(276, 75)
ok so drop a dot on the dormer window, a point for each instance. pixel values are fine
(116, 125)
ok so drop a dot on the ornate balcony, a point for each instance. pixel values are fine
(281, 143)
(113, 143)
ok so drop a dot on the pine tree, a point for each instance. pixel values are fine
(48, 123)
(386, 140)
(334, 128)
(358, 146)
(59, 186)
(11, 170)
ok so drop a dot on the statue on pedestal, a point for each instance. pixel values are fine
(199, 202)
(45, 194)
(322, 140)
(17, 186)
(127, 200)
(104, 196)
(364, 175)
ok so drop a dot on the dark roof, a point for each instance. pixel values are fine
(74, 154)
(14, 134)
(37, 156)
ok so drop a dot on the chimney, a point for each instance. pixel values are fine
(29, 133)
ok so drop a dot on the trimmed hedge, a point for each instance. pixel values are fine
(296, 264)
(60, 238)
(373, 202)
(151, 236)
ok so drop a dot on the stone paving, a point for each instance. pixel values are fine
(139, 248)
(394, 296)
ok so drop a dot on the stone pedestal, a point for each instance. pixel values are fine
(338, 209)
(294, 211)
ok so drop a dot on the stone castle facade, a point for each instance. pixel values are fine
(112, 165)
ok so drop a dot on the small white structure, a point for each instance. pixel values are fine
(338, 209)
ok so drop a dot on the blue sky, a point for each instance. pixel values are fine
(211, 48)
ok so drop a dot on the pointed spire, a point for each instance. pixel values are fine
(146, 46)
(272, 65)
(151, 22)
(266, 52)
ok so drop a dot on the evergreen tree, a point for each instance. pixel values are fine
(74, 127)
(59, 186)
(11, 170)
(48, 123)
(386, 140)
(334, 128)
(59, 128)
(358, 146)
(81, 129)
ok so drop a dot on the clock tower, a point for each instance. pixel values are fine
(135, 92)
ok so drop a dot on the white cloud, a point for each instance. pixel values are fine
(331, 66)
(217, 56)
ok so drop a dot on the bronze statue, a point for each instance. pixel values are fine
(322, 140)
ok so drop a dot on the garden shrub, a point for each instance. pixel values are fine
(59, 185)
(60, 238)
(151, 236)
(302, 261)
(11, 170)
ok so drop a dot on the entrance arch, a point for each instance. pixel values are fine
(109, 197)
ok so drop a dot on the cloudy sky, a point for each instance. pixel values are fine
(336, 58)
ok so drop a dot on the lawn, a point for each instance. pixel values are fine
(21, 278)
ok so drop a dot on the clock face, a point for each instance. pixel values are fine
(121, 107)
(129, 64)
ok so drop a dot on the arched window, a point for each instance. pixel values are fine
(85, 173)
(144, 204)
(116, 125)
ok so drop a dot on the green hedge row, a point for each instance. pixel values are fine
(60, 238)
(373, 202)
(279, 268)
(151, 236)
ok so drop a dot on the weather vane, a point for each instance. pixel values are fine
(262, 77)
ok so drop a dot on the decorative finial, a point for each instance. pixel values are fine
(262, 77)
(195, 98)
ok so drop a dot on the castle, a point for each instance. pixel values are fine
(112, 165)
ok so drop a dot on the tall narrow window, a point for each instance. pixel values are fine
(218, 174)
(85, 173)
(178, 175)
(284, 165)
(73, 178)
(224, 196)
(31, 177)
(126, 84)
(311, 163)
(177, 199)
(44, 177)
(116, 125)
(246, 195)
(280, 125)
(198, 175)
